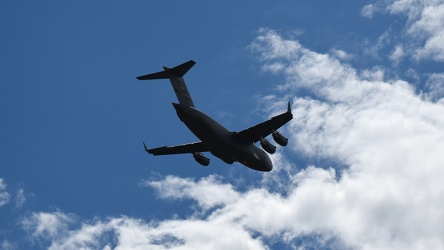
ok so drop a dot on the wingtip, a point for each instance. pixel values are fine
(289, 108)
(144, 146)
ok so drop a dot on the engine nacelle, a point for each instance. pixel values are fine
(279, 138)
(199, 157)
(267, 146)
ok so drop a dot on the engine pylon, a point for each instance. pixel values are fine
(267, 146)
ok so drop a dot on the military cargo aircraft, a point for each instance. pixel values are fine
(229, 146)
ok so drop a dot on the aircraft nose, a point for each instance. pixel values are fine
(268, 165)
(262, 161)
(264, 164)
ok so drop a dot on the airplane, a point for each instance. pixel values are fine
(229, 146)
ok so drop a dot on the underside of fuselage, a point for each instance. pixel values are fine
(229, 146)
(222, 143)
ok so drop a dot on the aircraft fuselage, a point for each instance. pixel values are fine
(227, 145)
(222, 143)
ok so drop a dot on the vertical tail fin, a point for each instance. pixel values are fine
(176, 77)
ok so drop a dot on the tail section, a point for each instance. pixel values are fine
(176, 77)
(178, 71)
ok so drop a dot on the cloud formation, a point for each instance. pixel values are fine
(20, 199)
(390, 138)
(435, 87)
(388, 197)
(4, 195)
(131, 233)
(424, 31)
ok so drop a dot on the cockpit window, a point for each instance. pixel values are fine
(257, 156)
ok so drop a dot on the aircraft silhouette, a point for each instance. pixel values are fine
(227, 145)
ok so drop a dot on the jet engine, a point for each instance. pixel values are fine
(267, 146)
(279, 138)
(199, 157)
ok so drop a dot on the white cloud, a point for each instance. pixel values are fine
(425, 26)
(397, 54)
(388, 197)
(47, 224)
(435, 87)
(368, 10)
(4, 196)
(340, 54)
(209, 192)
(6, 245)
(391, 139)
(20, 200)
(430, 25)
(130, 233)
(382, 42)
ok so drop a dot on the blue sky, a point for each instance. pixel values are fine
(364, 161)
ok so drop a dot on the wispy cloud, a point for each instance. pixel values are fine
(368, 10)
(434, 88)
(131, 233)
(4, 195)
(20, 198)
(424, 30)
(397, 54)
(209, 191)
(46, 224)
(7, 245)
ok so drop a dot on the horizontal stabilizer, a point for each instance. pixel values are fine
(194, 147)
(158, 75)
(178, 71)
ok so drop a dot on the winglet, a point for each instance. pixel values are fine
(289, 108)
(146, 149)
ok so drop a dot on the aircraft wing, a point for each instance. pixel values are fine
(262, 130)
(193, 147)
